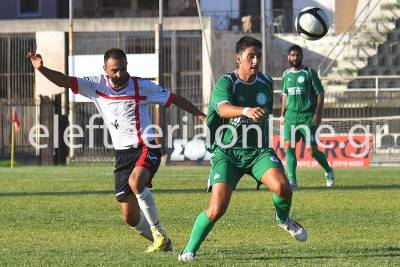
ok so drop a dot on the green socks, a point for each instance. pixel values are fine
(291, 163)
(202, 226)
(320, 157)
(282, 207)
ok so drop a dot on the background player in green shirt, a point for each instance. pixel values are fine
(302, 105)
(240, 104)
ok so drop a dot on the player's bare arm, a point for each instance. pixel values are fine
(283, 109)
(318, 111)
(185, 104)
(228, 111)
(55, 77)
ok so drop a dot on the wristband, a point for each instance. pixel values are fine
(244, 111)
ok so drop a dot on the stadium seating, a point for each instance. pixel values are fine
(385, 62)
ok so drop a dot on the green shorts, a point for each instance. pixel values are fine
(229, 165)
(304, 123)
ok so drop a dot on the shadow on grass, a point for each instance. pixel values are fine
(188, 190)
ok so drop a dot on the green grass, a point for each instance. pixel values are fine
(67, 216)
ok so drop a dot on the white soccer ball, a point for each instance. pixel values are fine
(312, 23)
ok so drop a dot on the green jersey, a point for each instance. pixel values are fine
(250, 134)
(301, 88)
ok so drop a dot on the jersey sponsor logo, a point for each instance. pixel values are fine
(217, 176)
(300, 79)
(261, 98)
(295, 90)
(274, 159)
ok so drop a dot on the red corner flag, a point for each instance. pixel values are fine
(15, 120)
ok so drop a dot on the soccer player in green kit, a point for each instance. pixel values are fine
(301, 112)
(239, 108)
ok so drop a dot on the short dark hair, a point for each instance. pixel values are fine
(295, 48)
(114, 53)
(247, 41)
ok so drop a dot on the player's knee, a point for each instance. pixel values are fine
(312, 151)
(216, 212)
(134, 184)
(284, 190)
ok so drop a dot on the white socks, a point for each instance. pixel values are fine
(143, 228)
(149, 208)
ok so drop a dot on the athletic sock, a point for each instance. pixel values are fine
(291, 163)
(148, 206)
(320, 157)
(282, 207)
(202, 226)
(143, 228)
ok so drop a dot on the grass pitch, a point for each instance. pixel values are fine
(68, 216)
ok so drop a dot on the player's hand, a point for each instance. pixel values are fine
(36, 60)
(202, 117)
(255, 114)
(317, 119)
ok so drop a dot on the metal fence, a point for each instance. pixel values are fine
(16, 72)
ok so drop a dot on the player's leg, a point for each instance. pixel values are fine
(290, 148)
(222, 180)
(320, 157)
(131, 215)
(268, 170)
(130, 211)
(138, 179)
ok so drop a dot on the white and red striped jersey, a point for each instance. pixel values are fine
(125, 111)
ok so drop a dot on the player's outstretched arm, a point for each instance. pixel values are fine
(318, 111)
(185, 104)
(55, 77)
(228, 111)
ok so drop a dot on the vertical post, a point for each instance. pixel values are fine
(72, 68)
(12, 140)
(376, 89)
(159, 52)
(264, 39)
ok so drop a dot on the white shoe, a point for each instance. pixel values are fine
(293, 184)
(330, 178)
(186, 256)
(294, 229)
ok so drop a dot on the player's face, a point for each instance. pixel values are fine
(116, 71)
(295, 58)
(249, 60)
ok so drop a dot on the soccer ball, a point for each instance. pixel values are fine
(312, 23)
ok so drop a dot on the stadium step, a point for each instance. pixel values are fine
(354, 63)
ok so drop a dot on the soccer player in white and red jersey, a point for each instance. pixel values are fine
(123, 103)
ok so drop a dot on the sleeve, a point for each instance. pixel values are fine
(222, 93)
(156, 94)
(316, 82)
(85, 86)
(283, 87)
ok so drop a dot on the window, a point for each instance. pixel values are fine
(29, 8)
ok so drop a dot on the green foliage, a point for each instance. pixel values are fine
(68, 216)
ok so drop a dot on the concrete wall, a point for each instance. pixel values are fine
(53, 54)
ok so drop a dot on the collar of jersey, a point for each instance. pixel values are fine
(244, 81)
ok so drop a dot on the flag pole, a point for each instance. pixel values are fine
(12, 142)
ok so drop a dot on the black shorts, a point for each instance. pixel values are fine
(126, 160)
